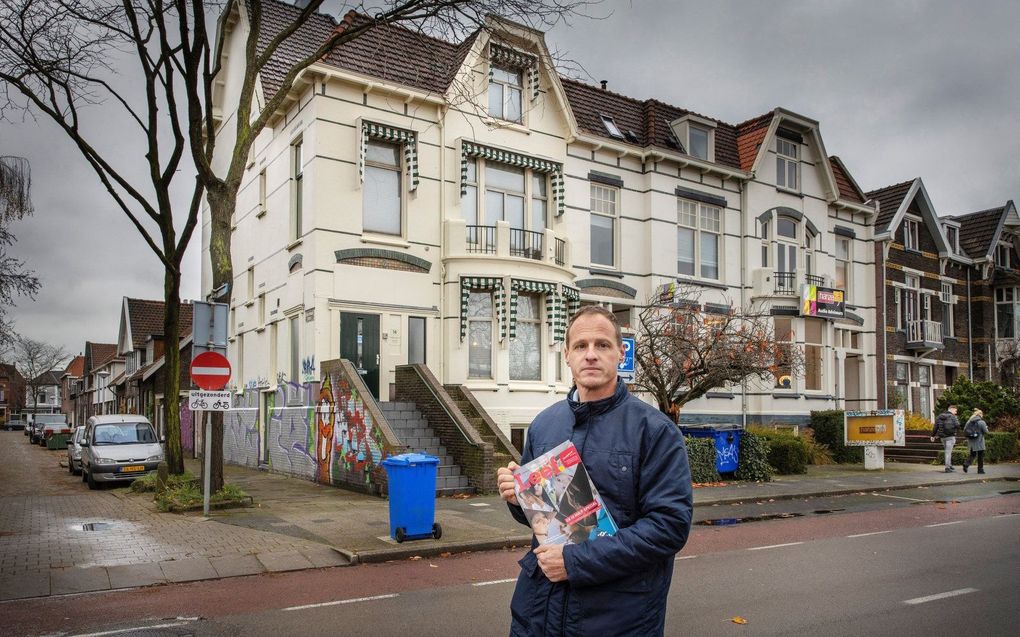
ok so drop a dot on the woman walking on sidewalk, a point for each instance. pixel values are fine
(975, 430)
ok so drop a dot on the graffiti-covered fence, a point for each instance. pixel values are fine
(329, 431)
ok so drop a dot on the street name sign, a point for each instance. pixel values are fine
(210, 371)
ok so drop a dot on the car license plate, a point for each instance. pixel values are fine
(132, 468)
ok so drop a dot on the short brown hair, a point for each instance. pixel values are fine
(597, 310)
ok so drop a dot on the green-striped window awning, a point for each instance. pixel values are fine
(482, 283)
(471, 150)
(538, 287)
(518, 61)
(408, 141)
(571, 303)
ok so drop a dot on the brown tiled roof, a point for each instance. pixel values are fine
(889, 200)
(10, 371)
(146, 319)
(750, 135)
(118, 379)
(848, 189)
(48, 378)
(103, 353)
(392, 53)
(977, 231)
(76, 367)
(648, 120)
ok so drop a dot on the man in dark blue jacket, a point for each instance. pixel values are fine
(636, 457)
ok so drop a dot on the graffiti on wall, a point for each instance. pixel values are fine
(320, 431)
(308, 369)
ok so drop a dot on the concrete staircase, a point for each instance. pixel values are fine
(919, 448)
(413, 430)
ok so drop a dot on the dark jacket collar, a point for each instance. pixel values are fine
(584, 411)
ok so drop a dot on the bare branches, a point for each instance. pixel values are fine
(34, 360)
(685, 349)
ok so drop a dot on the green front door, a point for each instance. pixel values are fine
(359, 343)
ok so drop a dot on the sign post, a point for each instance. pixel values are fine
(874, 430)
(625, 370)
(210, 370)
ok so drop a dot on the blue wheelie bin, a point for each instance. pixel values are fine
(412, 489)
(727, 443)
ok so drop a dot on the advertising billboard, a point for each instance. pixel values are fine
(882, 428)
(822, 302)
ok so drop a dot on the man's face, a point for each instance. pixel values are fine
(593, 356)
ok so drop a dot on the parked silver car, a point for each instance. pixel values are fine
(118, 448)
(74, 451)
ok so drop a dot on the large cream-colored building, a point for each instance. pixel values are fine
(450, 204)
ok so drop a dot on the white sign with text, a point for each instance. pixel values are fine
(202, 400)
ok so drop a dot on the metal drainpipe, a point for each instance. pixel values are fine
(885, 339)
(743, 275)
(970, 332)
(441, 112)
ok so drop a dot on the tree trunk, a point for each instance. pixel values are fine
(221, 207)
(172, 370)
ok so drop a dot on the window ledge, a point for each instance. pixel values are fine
(794, 395)
(533, 386)
(249, 303)
(260, 214)
(506, 124)
(719, 394)
(601, 272)
(818, 397)
(385, 241)
(259, 330)
(708, 283)
(293, 244)
(790, 191)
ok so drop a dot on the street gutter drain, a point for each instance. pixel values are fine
(751, 518)
(96, 526)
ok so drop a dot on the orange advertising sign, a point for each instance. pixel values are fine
(884, 427)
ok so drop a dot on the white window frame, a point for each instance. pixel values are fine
(1002, 255)
(709, 141)
(791, 343)
(820, 346)
(536, 324)
(263, 193)
(912, 235)
(297, 188)
(610, 125)
(507, 90)
(948, 301)
(398, 168)
(1010, 297)
(475, 189)
(605, 208)
(953, 238)
(694, 216)
(787, 160)
(845, 260)
(491, 320)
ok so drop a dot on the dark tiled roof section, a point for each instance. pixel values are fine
(889, 200)
(392, 53)
(48, 378)
(977, 231)
(146, 319)
(648, 120)
(103, 353)
(848, 190)
(9, 371)
(76, 367)
(750, 136)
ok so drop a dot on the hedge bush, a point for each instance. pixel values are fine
(828, 430)
(1000, 446)
(753, 464)
(788, 454)
(701, 455)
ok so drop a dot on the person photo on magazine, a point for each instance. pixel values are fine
(635, 458)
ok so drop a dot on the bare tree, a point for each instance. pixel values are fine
(683, 350)
(34, 360)
(1008, 357)
(56, 57)
(15, 203)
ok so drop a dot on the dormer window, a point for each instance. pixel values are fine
(911, 235)
(1002, 255)
(506, 87)
(953, 239)
(697, 142)
(611, 127)
(696, 135)
(787, 164)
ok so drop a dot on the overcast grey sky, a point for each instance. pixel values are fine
(901, 89)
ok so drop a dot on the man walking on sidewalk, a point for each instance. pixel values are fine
(945, 429)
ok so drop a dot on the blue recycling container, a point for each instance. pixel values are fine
(727, 443)
(412, 490)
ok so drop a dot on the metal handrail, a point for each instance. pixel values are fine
(561, 252)
(526, 243)
(481, 239)
(785, 282)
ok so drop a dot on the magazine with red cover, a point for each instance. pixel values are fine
(559, 500)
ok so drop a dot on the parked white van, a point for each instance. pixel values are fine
(117, 448)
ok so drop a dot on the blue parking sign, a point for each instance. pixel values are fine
(626, 368)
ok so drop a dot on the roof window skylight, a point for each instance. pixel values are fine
(611, 127)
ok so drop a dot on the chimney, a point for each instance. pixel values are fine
(603, 82)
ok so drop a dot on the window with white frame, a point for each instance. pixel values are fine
(947, 309)
(911, 305)
(810, 241)
(765, 244)
(1002, 255)
(250, 278)
(786, 244)
(953, 239)
(480, 334)
(506, 90)
(295, 349)
(504, 194)
(787, 164)
(813, 354)
(381, 205)
(699, 231)
(843, 260)
(1006, 312)
(469, 202)
(505, 190)
(784, 341)
(698, 141)
(911, 235)
(263, 192)
(297, 186)
(603, 224)
(526, 348)
(611, 127)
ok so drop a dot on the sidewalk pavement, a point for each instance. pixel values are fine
(296, 524)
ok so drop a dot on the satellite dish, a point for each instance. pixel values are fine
(785, 381)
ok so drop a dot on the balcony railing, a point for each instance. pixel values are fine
(786, 283)
(561, 252)
(481, 239)
(812, 279)
(923, 333)
(525, 243)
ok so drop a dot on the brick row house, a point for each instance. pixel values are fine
(12, 392)
(70, 382)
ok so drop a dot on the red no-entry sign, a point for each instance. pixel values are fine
(210, 371)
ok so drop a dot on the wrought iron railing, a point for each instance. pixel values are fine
(525, 243)
(481, 239)
(561, 252)
(812, 279)
(786, 282)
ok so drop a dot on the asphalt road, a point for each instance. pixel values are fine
(941, 564)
